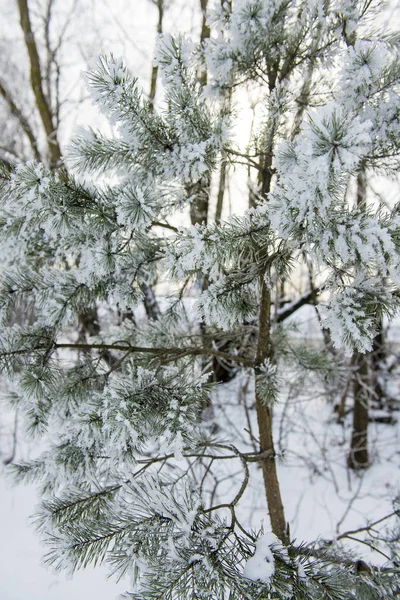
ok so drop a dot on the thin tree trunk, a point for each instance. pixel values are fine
(377, 357)
(201, 189)
(358, 457)
(149, 299)
(223, 170)
(264, 420)
(200, 192)
(42, 102)
(205, 34)
(23, 121)
(154, 70)
(221, 189)
(265, 352)
(150, 302)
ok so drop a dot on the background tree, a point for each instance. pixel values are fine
(36, 109)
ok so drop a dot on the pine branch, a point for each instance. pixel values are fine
(175, 352)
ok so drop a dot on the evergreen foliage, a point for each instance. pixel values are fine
(125, 407)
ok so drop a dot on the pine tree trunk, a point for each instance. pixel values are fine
(358, 457)
(264, 419)
(221, 190)
(200, 192)
(265, 352)
(150, 302)
(149, 299)
(377, 357)
(201, 189)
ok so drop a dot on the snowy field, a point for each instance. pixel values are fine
(22, 574)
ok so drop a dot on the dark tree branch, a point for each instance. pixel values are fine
(308, 298)
(23, 121)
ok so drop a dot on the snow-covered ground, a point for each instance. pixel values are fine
(322, 497)
(22, 573)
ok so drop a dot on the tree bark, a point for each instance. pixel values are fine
(37, 85)
(358, 457)
(378, 355)
(149, 299)
(150, 302)
(264, 420)
(221, 189)
(223, 170)
(154, 70)
(205, 34)
(265, 352)
(201, 189)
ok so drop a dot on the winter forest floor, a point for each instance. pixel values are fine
(322, 497)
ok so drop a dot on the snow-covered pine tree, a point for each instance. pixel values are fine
(124, 474)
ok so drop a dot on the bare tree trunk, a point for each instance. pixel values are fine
(221, 190)
(150, 302)
(358, 457)
(149, 299)
(205, 34)
(154, 70)
(378, 355)
(200, 190)
(265, 352)
(223, 170)
(23, 121)
(42, 103)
